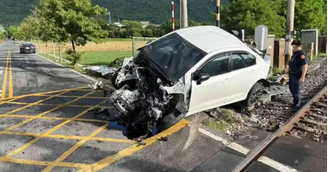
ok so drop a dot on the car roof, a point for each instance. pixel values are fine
(209, 38)
(27, 43)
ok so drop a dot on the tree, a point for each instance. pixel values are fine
(147, 33)
(29, 28)
(2, 36)
(167, 26)
(156, 30)
(311, 14)
(72, 20)
(11, 31)
(133, 28)
(247, 14)
(113, 30)
(193, 23)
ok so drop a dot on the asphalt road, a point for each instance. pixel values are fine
(34, 74)
(45, 125)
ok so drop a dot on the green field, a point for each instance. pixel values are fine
(102, 58)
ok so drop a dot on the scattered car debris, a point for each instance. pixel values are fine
(102, 69)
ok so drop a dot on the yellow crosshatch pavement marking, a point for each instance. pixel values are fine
(59, 161)
(5, 78)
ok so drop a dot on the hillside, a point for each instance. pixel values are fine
(156, 11)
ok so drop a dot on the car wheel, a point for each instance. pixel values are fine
(254, 95)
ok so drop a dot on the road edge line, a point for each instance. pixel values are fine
(243, 150)
(72, 70)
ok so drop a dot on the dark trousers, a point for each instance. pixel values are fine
(295, 88)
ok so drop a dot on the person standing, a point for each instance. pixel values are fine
(298, 66)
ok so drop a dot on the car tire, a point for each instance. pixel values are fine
(254, 95)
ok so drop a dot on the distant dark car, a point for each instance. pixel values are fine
(27, 47)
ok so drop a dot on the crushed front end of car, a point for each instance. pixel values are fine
(153, 88)
(142, 101)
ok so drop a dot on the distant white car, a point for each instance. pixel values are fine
(185, 72)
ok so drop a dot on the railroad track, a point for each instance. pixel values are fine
(309, 122)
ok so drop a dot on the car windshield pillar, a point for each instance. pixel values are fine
(174, 55)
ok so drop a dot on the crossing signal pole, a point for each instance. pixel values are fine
(218, 22)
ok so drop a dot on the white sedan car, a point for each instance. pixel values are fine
(185, 72)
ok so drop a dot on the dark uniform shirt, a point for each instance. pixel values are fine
(296, 62)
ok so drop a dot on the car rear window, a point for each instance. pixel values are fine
(26, 45)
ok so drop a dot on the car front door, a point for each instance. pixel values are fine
(210, 93)
(242, 76)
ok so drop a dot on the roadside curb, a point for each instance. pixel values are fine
(86, 76)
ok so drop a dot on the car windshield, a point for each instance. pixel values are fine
(26, 45)
(174, 55)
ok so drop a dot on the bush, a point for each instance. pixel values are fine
(124, 33)
(73, 56)
(147, 33)
(277, 71)
(137, 34)
(111, 34)
(117, 62)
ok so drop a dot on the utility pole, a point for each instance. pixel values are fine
(173, 24)
(183, 14)
(218, 3)
(109, 18)
(289, 29)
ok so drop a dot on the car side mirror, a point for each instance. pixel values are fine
(201, 78)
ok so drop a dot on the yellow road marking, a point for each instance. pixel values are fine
(68, 137)
(72, 149)
(62, 96)
(134, 148)
(42, 93)
(32, 104)
(4, 83)
(42, 114)
(42, 163)
(42, 104)
(11, 88)
(48, 132)
(53, 118)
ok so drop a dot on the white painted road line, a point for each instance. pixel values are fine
(90, 78)
(239, 148)
(2, 70)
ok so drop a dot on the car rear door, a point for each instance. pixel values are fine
(243, 76)
(212, 92)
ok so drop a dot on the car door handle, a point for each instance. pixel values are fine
(251, 72)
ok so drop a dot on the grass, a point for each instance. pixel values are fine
(277, 71)
(227, 116)
(75, 67)
(121, 45)
(102, 58)
(115, 39)
(322, 55)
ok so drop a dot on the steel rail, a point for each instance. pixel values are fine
(266, 143)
